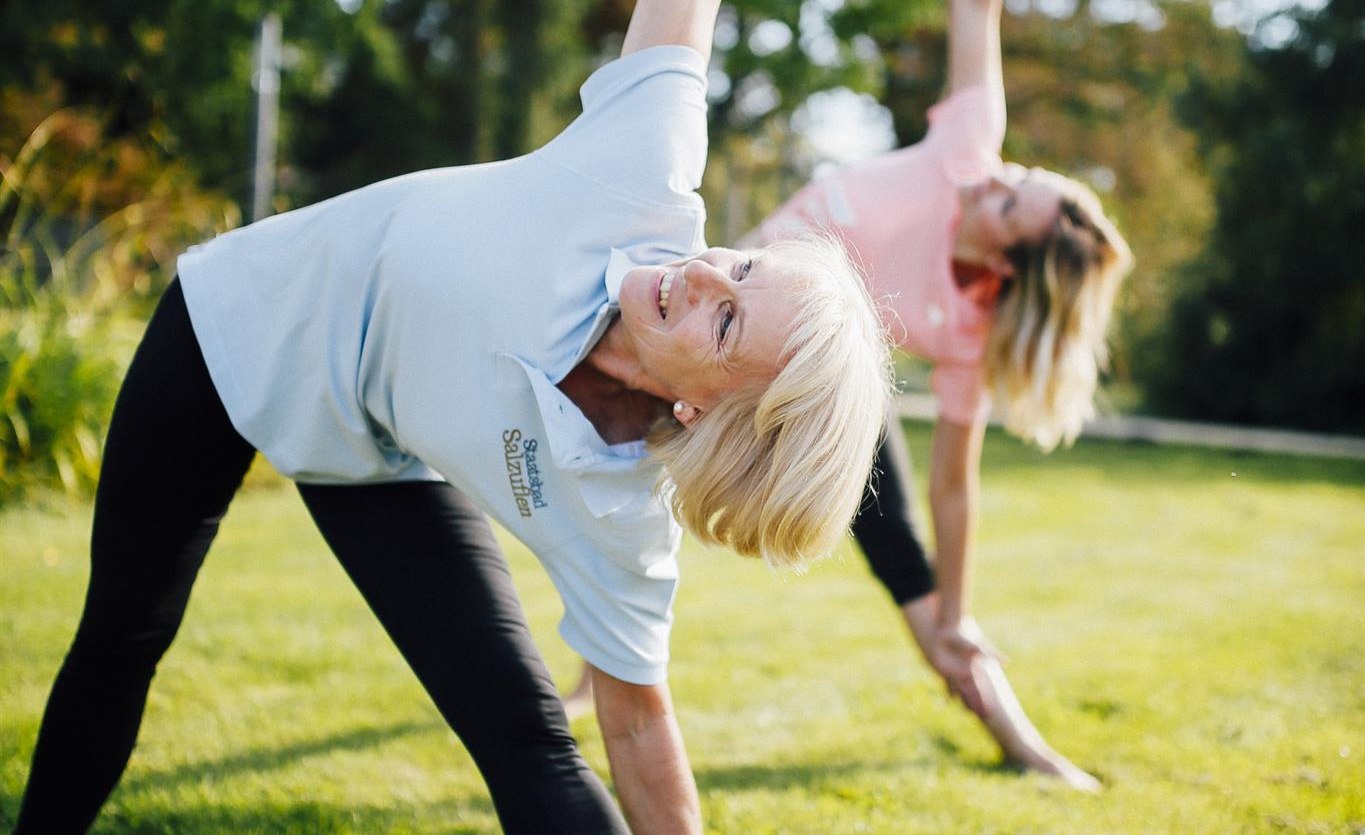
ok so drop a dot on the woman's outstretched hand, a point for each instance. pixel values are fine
(970, 667)
(951, 649)
(956, 652)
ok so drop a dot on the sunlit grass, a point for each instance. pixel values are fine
(1188, 624)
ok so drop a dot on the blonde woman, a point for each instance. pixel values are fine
(1004, 277)
(544, 340)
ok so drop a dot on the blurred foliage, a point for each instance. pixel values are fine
(56, 389)
(68, 264)
(1109, 120)
(1233, 168)
(1270, 326)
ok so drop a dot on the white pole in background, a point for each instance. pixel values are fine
(266, 80)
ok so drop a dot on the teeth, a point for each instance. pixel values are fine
(664, 286)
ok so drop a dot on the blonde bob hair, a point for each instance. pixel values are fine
(1047, 341)
(778, 472)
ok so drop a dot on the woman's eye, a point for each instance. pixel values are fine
(744, 269)
(726, 321)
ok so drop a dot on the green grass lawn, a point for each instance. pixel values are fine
(1187, 624)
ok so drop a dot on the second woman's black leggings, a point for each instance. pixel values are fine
(421, 554)
(885, 524)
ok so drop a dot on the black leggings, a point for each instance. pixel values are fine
(421, 554)
(885, 524)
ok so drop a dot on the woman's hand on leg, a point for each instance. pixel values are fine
(970, 667)
(951, 651)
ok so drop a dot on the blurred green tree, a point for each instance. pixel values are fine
(1095, 99)
(172, 76)
(374, 88)
(1270, 326)
(412, 84)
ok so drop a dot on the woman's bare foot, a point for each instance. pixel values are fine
(1019, 740)
(1053, 764)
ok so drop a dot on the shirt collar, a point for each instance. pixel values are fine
(609, 476)
(617, 266)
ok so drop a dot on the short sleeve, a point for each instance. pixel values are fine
(969, 127)
(643, 127)
(618, 620)
(961, 392)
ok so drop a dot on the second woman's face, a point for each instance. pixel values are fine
(710, 325)
(1017, 205)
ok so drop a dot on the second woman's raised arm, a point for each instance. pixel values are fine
(973, 44)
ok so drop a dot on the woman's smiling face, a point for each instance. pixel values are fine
(707, 326)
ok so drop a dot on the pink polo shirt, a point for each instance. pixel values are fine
(897, 215)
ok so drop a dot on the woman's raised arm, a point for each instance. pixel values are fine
(683, 22)
(973, 44)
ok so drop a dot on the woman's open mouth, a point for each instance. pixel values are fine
(665, 284)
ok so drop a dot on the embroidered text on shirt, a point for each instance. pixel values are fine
(523, 474)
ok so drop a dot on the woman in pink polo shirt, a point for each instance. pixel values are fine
(1004, 277)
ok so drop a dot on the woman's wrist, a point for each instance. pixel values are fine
(952, 615)
(921, 615)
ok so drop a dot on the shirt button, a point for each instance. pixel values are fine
(935, 315)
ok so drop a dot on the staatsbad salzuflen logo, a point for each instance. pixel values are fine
(523, 473)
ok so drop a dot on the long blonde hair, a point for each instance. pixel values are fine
(778, 472)
(1047, 342)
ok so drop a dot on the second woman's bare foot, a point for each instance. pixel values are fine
(1019, 740)
(1052, 764)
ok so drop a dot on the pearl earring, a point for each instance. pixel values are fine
(678, 407)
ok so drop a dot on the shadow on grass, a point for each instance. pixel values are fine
(815, 775)
(302, 817)
(148, 816)
(274, 757)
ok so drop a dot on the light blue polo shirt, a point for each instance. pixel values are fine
(416, 329)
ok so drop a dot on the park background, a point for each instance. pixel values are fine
(1187, 623)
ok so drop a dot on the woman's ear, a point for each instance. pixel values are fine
(686, 413)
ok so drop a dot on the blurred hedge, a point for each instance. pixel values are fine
(90, 228)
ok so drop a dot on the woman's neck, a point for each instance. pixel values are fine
(967, 246)
(971, 260)
(614, 356)
(617, 412)
(613, 392)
